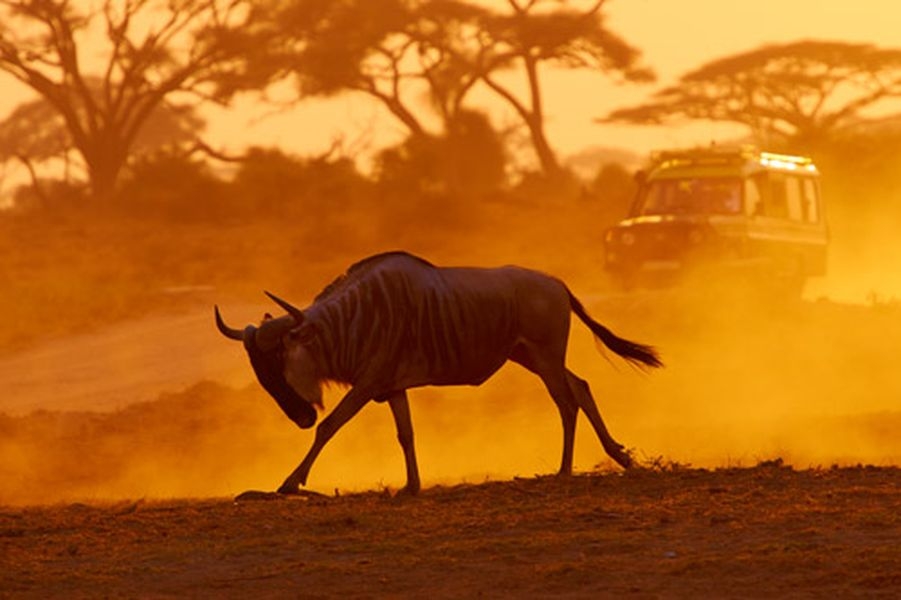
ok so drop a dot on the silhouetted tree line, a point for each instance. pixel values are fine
(125, 136)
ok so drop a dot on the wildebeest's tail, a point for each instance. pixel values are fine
(635, 353)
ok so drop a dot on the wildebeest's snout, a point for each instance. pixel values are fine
(267, 362)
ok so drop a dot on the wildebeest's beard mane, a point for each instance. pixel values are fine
(268, 366)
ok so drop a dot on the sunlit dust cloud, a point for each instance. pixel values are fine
(749, 376)
(863, 271)
(745, 381)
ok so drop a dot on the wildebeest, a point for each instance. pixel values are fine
(395, 321)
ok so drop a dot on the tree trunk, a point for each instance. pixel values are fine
(35, 181)
(546, 156)
(104, 168)
(535, 121)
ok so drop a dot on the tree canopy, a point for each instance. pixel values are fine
(385, 49)
(400, 52)
(803, 92)
(36, 133)
(529, 35)
(152, 51)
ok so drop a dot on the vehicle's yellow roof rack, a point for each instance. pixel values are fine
(729, 155)
(786, 161)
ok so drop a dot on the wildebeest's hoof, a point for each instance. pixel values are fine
(625, 461)
(408, 491)
(621, 455)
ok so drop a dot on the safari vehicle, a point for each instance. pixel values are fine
(735, 210)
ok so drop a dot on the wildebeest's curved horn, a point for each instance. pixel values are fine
(232, 334)
(289, 308)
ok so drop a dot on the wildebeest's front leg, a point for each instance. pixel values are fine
(400, 408)
(350, 405)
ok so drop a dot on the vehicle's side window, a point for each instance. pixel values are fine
(810, 201)
(753, 199)
(794, 201)
(776, 203)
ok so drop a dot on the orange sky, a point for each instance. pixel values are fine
(675, 36)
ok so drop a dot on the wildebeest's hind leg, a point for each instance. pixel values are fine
(565, 403)
(400, 408)
(568, 413)
(586, 402)
(570, 393)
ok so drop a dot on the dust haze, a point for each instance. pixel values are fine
(750, 376)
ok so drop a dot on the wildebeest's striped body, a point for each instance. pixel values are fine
(395, 322)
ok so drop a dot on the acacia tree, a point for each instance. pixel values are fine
(531, 35)
(32, 134)
(399, 51)
(35, 133)
(152, 51)
(803, 93)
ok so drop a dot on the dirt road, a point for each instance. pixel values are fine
(123, 364)
(764, 532)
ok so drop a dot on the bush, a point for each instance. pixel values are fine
(164, 185)
(273, 183)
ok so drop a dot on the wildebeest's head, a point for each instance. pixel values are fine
(281, 362)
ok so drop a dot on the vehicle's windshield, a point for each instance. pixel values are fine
(711, 195)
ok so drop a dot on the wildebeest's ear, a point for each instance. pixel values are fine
(303, 334)
(266, 316)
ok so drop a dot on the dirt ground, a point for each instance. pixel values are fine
(106, 436)
(765, 531)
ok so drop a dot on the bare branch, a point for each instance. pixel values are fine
(202, 147)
